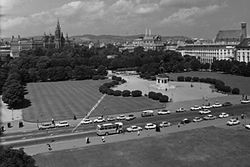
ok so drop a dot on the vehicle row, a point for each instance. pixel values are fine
(135, 128)
(48, 125)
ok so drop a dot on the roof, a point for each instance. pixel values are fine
(162, 76)
(244, 44)
(228, 35)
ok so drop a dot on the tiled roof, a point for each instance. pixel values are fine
(244, 44)
(228, 35)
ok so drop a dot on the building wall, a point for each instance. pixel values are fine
(243, 55)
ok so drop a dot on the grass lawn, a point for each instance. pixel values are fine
(201, 147)
(231, 80)
(62, 100)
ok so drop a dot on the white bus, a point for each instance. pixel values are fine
(109, 128)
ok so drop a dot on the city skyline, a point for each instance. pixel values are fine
(192, 18)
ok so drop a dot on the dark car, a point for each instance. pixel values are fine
(185, 121)
(227, 104)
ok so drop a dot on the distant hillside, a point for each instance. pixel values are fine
(116, 38)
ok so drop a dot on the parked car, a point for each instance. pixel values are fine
(130, 117)
(164, 124)
(217, 105)
(110, 118)
(150, 126)
(147, 113)
(62, 124)
(181, 109)
(99, 120)
(86, 121)
(245, 101)
(223, 115)
(233, 121)
(247, 126)
(185, 121)
(134, 128)
(163, 112)
(44, 126)
(197, 119)
(227, 104)
(121, 117)
(205, 111)
(209, 117)
(195, 108)
(206, 106)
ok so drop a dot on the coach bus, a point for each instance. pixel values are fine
(109, 128)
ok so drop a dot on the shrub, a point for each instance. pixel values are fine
(188, 79)
(163, 99)
(117, 93)
(196, 79)
(236, 91)
(126, 93)
(136, 93)
(226, 89)
(123, 81)
(103, 89)
(110, 91)
(95, 77)
(151, 95)
(180, 78)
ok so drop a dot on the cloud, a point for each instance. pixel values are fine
(147, 8)
(188, 16)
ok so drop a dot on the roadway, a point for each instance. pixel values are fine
(60, 134)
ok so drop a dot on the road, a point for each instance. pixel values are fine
(60, 134)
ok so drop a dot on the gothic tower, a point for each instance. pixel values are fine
(58, 42)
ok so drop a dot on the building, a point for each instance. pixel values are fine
(162, 81)
(46, 41)
(243, 51)
(209, 52)
(148, 42)
(4, 52)
(232, 36)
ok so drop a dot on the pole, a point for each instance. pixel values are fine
(12, 114)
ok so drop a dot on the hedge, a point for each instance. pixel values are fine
(117, 93)
(180, 78)
(126, 93)
(188, 79)
(235, 91)
(195, 79)
(163, 99)
(136, 93)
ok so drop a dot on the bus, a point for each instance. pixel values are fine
(109, 128)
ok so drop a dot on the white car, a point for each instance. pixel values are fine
(150, 126)
(62, 124)
(245, 101)
(206, 107)
(181, 109)
(99, 120)
(197, 119)
(217, 105)
(86, 121)
(233, 121)
(110, 118)
(121, 117)
(195, 108)
(205, 111)
(247, 126)
(47, 125)
(134, 128)
(163, 112)
(223, 115)
(164, 124)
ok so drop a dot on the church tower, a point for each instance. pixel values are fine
(58, 42)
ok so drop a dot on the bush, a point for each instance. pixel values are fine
(110, 91)
(188, 79)
(136, 93)
(163, 99)
(195, 79)
(115, 78)
(180, 78)
(126, 93)
(103, 89)
(151, 95)
(226, 89)
(123, 81)
(236, 91)
(117, 93)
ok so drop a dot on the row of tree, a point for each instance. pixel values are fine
(218, 84)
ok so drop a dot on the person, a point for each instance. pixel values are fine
(242, 116)
(103, 139)
(138, 133)
(53, 121)
(179, 125)
(87, 140)
(49, 147)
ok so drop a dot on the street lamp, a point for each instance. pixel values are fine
(12, 114)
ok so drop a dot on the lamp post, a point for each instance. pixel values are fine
(12, 114)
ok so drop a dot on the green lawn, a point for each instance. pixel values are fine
(62, 100)
(231, 80)
(207, 147)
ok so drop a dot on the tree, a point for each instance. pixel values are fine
(13, 94)
(235, 91)
(163, 99)
(15, 158)
(126, 93)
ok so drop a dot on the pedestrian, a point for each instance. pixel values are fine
(138, 133)
(49, 147)
(242, 116)
(179, 125)
(53, 121)
(103, 139)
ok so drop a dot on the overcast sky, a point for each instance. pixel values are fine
(193, 18)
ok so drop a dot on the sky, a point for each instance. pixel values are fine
(192, 18)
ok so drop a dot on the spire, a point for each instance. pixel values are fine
(58, 23)
(146, 32)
